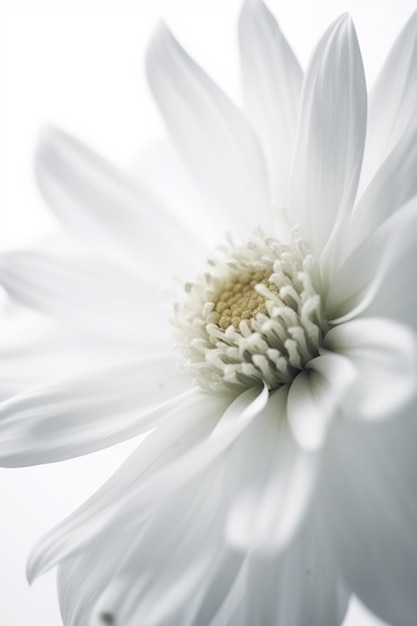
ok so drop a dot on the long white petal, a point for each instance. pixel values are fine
(188, 426)
(272, 80)
(392, 102)
(88, 412)
(381, 260)
(216, 141)
(270, 480)
(300, 586)
(331, 135)
(93, 294)
(371, 512)
(106, 209)
(384, 354)
(314, 398)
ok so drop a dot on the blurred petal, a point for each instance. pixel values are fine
(107, 210)
(270, 480)
(167, 563)
(370, 497)
(301, 586)
(215, 140)
(381, 262)
(272, 80)
(314, 397)
(392, 102)
(95, 295)
(199, 438)
(331, 135)
(89, 412)
(394, 184)
(385, 356)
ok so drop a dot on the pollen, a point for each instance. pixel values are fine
(239, 299)
(254, 316)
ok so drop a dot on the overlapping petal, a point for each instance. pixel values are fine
(76, 416)
(315, 396)
(384, 355)
(216, 141)
(95, 295)
(370, 504)
(107, 210)
(270, 480)
(272, 80)
(331, 135)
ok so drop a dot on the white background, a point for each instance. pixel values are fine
(79, 64)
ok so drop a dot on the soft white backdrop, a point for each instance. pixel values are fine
(79, 64)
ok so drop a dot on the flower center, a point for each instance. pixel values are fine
(254, 317)
(239, 300)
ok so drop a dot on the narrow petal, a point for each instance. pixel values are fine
(270, 481)
(315, 396)
(272, 80)
(370, 498)
(300, 586)
(106, 551)
(177, 553)
(133, 489)
(384, 354)
(89, 412)
(215, 140)
(393, 185)
(94, 295)
(105, 208)
(378, 265)
(331, 135)
(392, 102)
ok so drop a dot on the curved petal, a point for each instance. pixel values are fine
(370, 498)
(215, 140)
(393, 185)
(175, 555)
(270, 481)
(89, 412)
(385, 356)
(392, 102)
(142, 497)
(314, 398)
(93, 294)
(331, 135)
(272, 80)
(378, 265)
(300, 586)
(106, 209)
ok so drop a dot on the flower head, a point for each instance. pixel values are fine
(279, 475)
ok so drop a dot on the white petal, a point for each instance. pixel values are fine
(393, 185)
(272, 80)
(300, 586)
(89, 412)
(270, 482)
(330, 135)
(370, 498)
(380, 262)
(190, 422)
(104, 208)
(384, 354)
(166, 566)
(392, 102)
(215, 140)
(94, 295)
(314, 398)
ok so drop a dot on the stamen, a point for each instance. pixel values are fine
(255, 317)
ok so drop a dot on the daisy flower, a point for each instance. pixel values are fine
(278, 369)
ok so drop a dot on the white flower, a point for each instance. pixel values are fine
(273, 484)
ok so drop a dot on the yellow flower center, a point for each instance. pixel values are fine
(238, 300)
